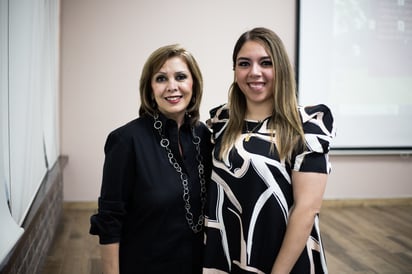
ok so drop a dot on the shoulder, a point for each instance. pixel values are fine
(219, 112)
(218, 115)
(128, 129)
(316, 116)
(201, 127)
(125, 134)
(318, 127)
(202, 130)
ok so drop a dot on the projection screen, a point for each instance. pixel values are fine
(355, 57)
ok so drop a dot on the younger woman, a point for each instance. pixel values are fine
(270, 168)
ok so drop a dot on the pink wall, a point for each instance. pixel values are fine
(372, 176)
(104, 45)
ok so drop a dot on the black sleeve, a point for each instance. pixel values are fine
(118, 174)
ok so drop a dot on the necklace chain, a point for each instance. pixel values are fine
(250, 132)
(164, 142)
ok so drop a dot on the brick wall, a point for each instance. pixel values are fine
(39, 226)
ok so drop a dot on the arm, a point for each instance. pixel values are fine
(308, 189)
(110, 258)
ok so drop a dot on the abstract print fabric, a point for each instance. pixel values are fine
(251, 196)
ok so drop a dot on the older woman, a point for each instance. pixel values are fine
(153, 194)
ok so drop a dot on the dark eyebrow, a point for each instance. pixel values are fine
(182, 71)
(248, 59)
(243, 59)
(160, 72)
(265, 58)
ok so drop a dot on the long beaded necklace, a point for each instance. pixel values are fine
(164, 142)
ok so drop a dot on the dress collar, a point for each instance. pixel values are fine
(170, 123)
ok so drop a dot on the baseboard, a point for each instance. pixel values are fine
(91, 205)
(85, 205)
(367, 202)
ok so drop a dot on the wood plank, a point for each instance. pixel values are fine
(358, 240)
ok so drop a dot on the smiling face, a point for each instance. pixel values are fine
(255, 76)
(172, 88)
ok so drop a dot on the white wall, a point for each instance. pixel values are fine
(104, 46)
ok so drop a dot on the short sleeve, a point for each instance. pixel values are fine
(219, 116)
(319, 131)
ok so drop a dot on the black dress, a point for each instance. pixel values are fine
(141, 205)
(251, 196)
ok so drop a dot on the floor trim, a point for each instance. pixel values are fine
(84, 205)
(367, 202)
(89, 205)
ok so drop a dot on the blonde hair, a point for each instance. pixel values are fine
(285, 119)
(153, 64)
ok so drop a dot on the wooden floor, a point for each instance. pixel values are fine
(357, 239)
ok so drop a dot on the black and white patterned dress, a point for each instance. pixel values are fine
(251, 196)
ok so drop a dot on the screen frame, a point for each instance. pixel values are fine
(349, 150)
